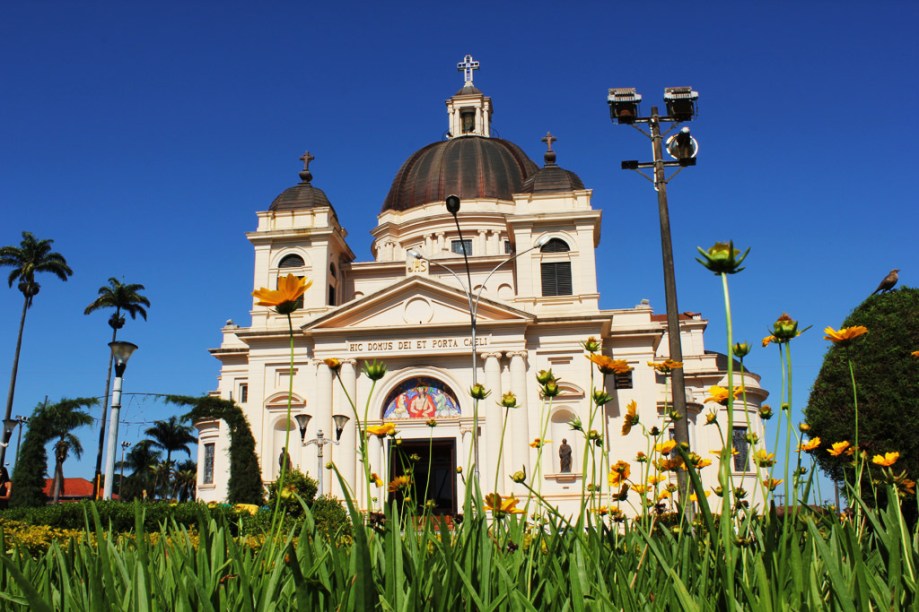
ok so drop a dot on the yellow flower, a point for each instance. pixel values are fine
(711, 417)
(887, 460)
(813, 444)
(665, 494)
(250, 508)
(608, 365)
(701, 463)
(763, 458)
(381, 431)
(719, 394)
(695, 498)
(656, 479)
(399, 482)
(915, 354)
(804, 427)
(839, 448)
(375, 479)
(665, 447)
(844, 335)
(619, 472)
(501, 506)
(666, 366)
(333, 363)
(769, 340)
(290, 289)
(641, 489)
(631, 417)
(772, 483)
(539, 442)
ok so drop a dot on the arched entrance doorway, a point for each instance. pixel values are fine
(423, 407)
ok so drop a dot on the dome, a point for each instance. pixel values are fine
(552, 178)
(301, 195)
(468, 166)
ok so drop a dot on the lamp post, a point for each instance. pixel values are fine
(8, 426)
(320, 440)
(453, 206)
(124, 446)
(23, 421)
(121, 351)
(681, 106)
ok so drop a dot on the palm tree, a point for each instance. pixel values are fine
(186, 479)
(171, 435)
(141, 458)
(30, 257)
(121, 297)
(63, 418)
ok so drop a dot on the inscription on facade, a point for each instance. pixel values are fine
(418, 344)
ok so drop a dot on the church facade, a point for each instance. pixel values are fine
(530, 235)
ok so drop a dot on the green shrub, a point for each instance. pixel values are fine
(297, 486)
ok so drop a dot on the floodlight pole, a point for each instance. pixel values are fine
(660, 180)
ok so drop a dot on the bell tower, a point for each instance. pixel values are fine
(469, 110)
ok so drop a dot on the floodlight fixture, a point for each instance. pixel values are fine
(681, 102)
(623, 104)
(630, 164)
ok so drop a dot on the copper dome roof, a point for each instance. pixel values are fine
(552, 178)
(301, 195)
(468, 166)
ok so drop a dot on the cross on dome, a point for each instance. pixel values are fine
(466, 67)
(305, 174)
(549, 139)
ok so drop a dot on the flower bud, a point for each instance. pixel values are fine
(741, 349)
(333, 364)
(544, 376)
(478, 391)
(520, 475)
(722, 258)
(765, 412)
(785, 328)
(374, 370)
(509, 400)
(591, 345)
(550, 389)
(601, 397)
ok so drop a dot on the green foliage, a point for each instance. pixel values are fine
(49, 421)
(887, 378)
(245, 482)
(297, 486)
(207, 561)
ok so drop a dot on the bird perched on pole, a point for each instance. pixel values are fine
(888, 283)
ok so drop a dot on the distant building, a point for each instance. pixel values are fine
(533, 314)
(73, 489)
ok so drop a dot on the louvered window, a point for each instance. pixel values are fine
(291, 261)
(556, 278)
(742, 448)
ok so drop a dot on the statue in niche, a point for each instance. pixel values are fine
(564, 456)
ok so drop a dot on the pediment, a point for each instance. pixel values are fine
(415, 301)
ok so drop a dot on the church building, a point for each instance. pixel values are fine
(529, 233)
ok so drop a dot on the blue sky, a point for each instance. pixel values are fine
(143, 138)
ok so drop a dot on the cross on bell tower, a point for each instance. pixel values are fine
(469, 109)
(466, 67)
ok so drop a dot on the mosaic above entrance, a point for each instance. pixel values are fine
(421, 398)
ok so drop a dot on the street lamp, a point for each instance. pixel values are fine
(121, 351)
(320, 440)
(124, 446)
(453, 205)
(23, 421)
(8, 426)
(681, 106)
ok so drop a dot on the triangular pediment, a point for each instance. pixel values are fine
(415, 301)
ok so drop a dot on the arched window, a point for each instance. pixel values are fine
(421, 397)
(291, 261)
(556, 275)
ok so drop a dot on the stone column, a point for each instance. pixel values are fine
(322, 417)
(518, 441)
(494, 418)
(441, 245)
(347, 451)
